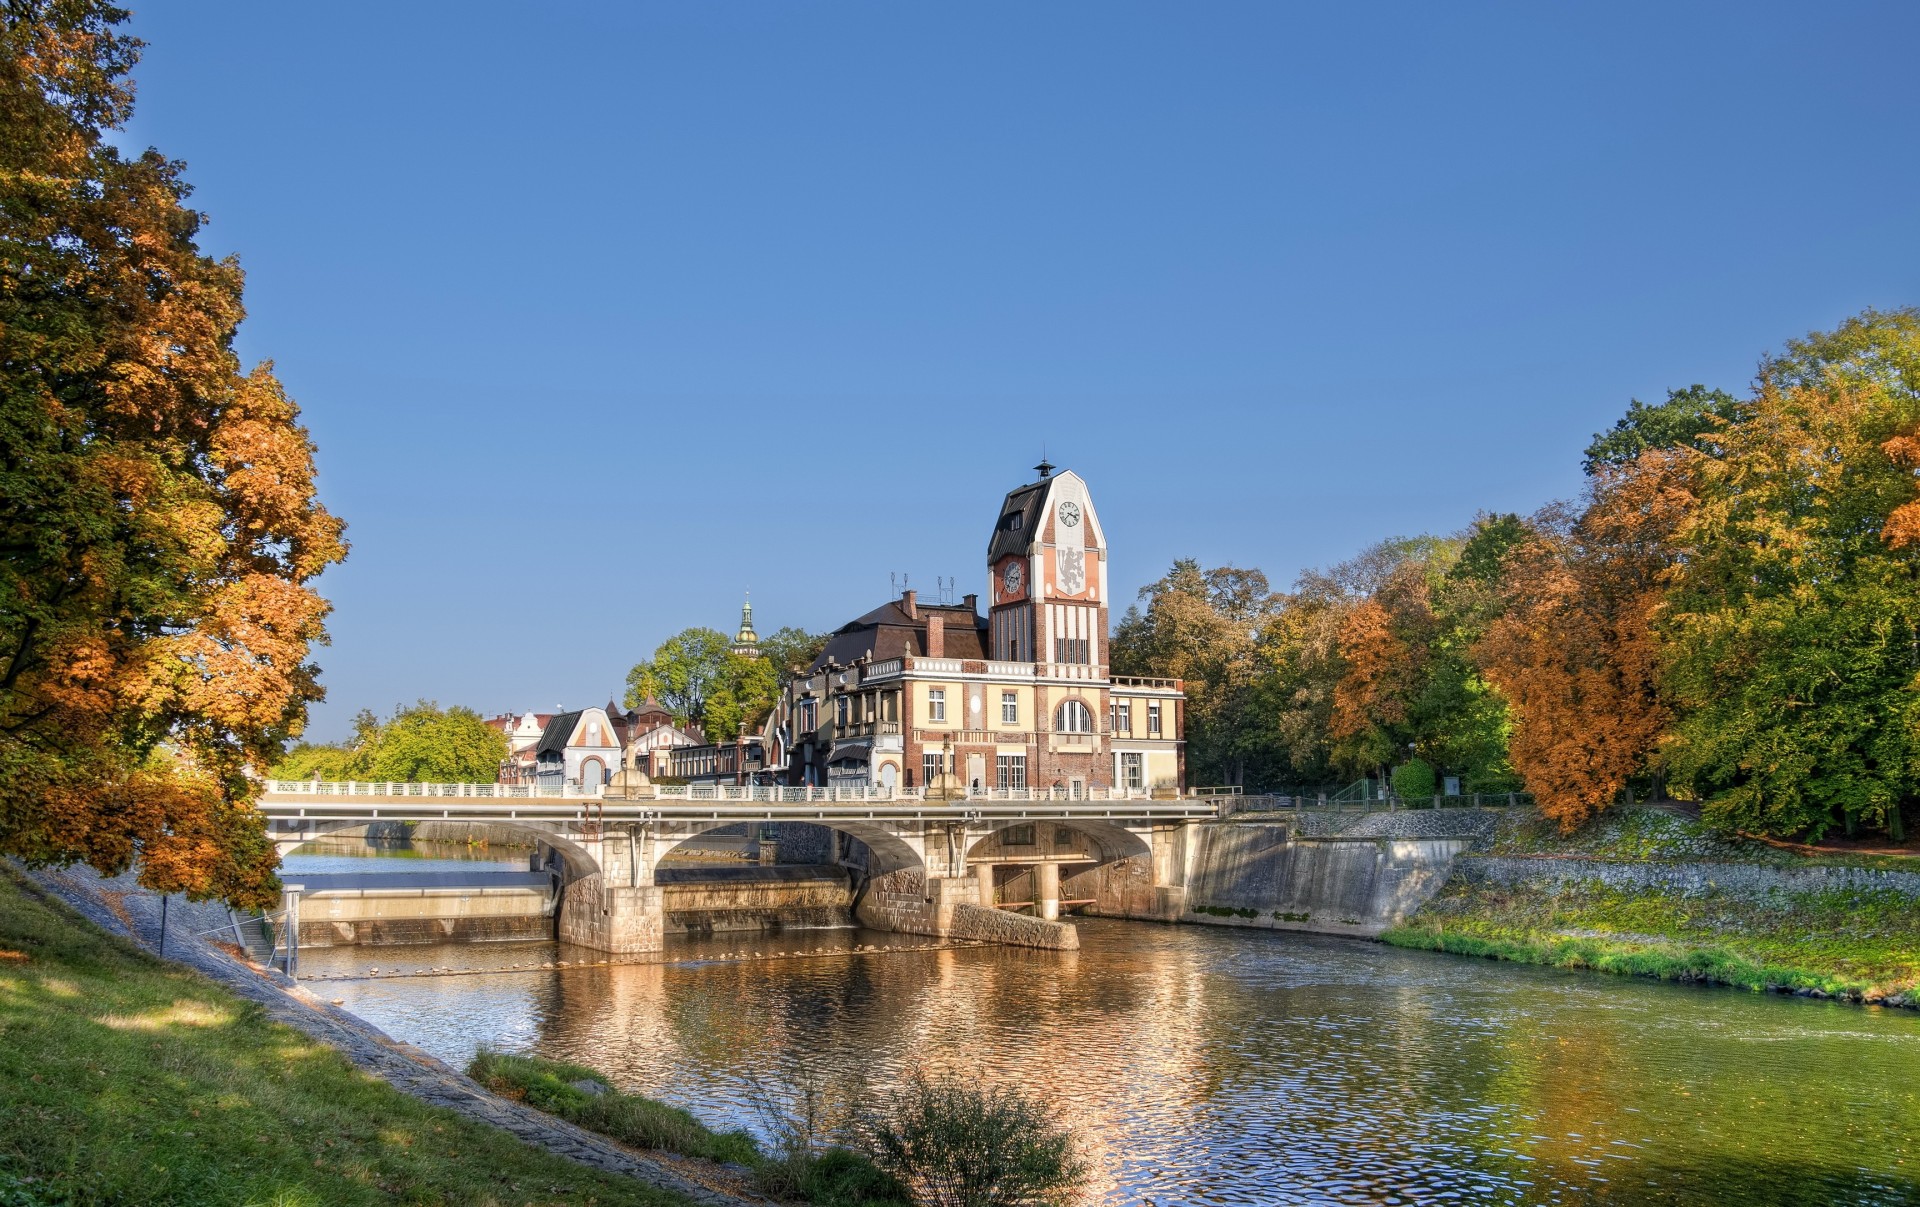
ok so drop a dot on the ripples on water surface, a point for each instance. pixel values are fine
(1221, 1066)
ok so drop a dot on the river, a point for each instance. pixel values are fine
(1208, 1065)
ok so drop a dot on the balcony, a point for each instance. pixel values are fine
(1146, 684)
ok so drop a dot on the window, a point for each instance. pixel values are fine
(1153, 718)
(839, 710)
(1017, 836)
(1130, 771)
(1075, 718)
(1122, 718)
(937, 704)
(931, 765)
(890, 706)
(1009, 708)
(1071, 649)
(1063, 839)
(809, 716)
(1011, 770)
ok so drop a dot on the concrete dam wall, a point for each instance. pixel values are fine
(341, 909)
(1263, 874)
(705, 900)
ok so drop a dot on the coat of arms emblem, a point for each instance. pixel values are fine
(1073, 570)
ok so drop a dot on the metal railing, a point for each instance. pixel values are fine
(1335, 802)
(702, 792)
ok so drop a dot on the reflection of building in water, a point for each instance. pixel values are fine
(936, 696)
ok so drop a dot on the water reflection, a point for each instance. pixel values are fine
(1210, 1066)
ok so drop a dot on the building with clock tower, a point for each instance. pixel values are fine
(940, 699)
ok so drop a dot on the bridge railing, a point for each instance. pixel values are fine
(747, 793)
(379, 788)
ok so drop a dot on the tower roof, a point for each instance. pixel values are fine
(746, 641)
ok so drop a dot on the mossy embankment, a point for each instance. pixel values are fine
(125, 1079)
(1645, 892)
(822, 1176)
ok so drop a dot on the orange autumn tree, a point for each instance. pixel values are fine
(158, 525)
(1385, 644)
(1576, 652)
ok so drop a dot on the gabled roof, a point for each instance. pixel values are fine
(553, 739)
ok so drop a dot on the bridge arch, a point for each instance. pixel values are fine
(577, 862)
(891, 852)
(1107, 841)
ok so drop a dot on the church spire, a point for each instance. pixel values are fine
(747, 642)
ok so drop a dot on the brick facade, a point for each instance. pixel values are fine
(942, 699)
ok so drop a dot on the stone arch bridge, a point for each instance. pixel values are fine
(933, 867)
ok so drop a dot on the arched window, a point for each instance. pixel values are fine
(1075, 718)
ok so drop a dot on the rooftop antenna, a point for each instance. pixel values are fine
(946, 588)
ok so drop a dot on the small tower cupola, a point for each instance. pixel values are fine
(746, 642)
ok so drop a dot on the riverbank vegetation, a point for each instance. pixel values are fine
(1728, 614)
(1863, 946)
(124, 1079)
(823, 1175)
(933, 1142)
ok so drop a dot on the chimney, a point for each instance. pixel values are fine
(971, 603)
(908, 605)
(936, 635)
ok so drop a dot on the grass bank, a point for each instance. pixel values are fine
(1859, 945)
(124, 1079)
(833, 1178)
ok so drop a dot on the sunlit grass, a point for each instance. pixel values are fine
(1844, 943)
(126, 1080)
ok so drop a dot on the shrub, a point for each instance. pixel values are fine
(953, 1144)
(1413, 780)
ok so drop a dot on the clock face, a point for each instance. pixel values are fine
(1012, 579)
(1069, 513)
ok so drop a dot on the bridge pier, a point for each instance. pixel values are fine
(624, 919)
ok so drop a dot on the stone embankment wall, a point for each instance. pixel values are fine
(1367, 876)
(1751, 881)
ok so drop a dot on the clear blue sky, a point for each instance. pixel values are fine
(601, 314)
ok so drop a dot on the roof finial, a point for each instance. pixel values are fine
(1045, 468)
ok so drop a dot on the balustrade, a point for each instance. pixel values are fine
(842, 793)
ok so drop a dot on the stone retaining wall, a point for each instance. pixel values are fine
(1747, 880)
(990, 925)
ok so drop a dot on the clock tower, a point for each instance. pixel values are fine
(1047, 565)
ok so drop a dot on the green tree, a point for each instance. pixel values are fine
(1201, 627)
(1689, 418)
(789, 648)
(681, 674)
(159, 532)
(428, 744)
(1793, 625)
(741, 697)
(315, 761)
(421, 744)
